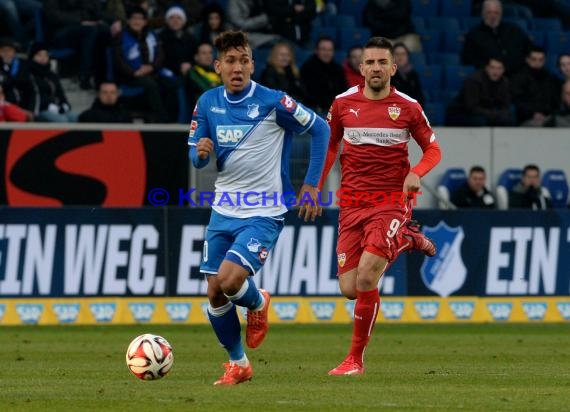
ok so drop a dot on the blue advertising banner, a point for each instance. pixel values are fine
(82, 252)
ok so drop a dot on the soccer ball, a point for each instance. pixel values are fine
(149, 357)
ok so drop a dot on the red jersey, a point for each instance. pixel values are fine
(375, 134)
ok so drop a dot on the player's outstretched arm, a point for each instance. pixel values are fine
(319, 132)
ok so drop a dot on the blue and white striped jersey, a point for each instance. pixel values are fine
(252, 133)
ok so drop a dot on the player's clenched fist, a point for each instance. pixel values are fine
(204, 147)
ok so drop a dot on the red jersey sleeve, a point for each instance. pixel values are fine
(423, 134)
(337, 132)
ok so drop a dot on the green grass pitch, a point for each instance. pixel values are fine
(409, 367)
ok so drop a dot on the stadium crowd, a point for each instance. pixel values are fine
(469, 63)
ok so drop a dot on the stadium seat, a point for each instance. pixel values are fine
(351, 37)
(453, 41)
(444, 96)
(451, 180)
(430, 77)
(454, 76)
(352, 8)
(517, 10)
(508, 179)
(431, 40)
(317, 32)
(470, 22)
(519, 21)
(546, 24)
(456, 8)
(557, 42)
(425, 8)
(444, 59)
(538, 37)
(339, 20)
(419, 23)
(555, 182)
(435, 113)
(418, 59)
(58, 53)
(442, 23)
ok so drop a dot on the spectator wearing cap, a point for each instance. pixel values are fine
(50, 102)
(181, 45)
(9, 112)
(14, 75)
(139, 58)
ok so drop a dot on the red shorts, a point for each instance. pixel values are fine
(374, 229)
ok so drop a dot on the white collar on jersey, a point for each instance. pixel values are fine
(248, 94)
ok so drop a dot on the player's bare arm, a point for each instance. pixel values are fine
(204, 147)
(309, 210)
(412, 184)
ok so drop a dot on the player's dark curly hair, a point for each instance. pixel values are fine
(231, 40)
(380, 43)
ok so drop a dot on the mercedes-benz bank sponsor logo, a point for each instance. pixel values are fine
(353, 136)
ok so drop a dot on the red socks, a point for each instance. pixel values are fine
(365, 313)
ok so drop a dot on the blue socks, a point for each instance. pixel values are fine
(226, 325)
(248, 296)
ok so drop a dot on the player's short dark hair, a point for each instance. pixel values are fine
(476, 169)
(231, 40)
(378, 42)
(530, 167)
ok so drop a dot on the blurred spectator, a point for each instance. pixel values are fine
(212, 23)
(561, 117)
(282, 72)
(192, 9)
(17, 14)
(535, 91)
(139, 57)
(473, 193)
(392, 19)
(9, 112)
(406, 79)
(79, 24)
(484, 100)
(351, 66)
(15, 75)
(181, 45)
(494, 37)
(202, 76)
(564, 66)
(51, 104)
(528, 194)
(106, 107)
(322, 77)
(292, 19)
(250, 16)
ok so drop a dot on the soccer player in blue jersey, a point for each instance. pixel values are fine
(250, 129)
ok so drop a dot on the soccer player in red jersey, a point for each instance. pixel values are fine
(375, 122)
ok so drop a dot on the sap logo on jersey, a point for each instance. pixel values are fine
(142, 312)
(392, 310)
(66, 313)
(564, 309)
(500, 310)
(230, 136)
(178, 312)
(286, 310)
(323, 310)
(427, 310)
(534, 310)
(29, 314)
(462, 310)
(103, 312)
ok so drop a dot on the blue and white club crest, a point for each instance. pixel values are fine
(444, 273)
(252, 110)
